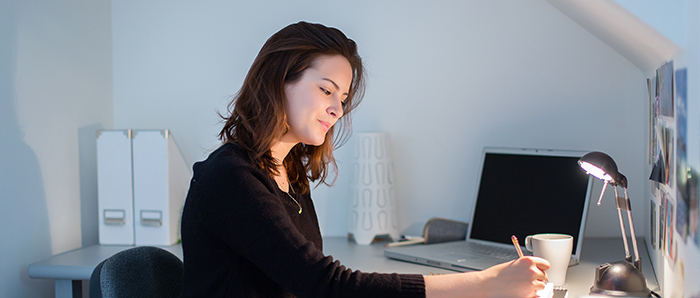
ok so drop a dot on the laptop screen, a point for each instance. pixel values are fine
(528, 191)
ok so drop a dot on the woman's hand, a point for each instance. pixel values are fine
(521, 278)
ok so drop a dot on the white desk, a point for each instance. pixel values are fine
(579, 278)
(70, 269)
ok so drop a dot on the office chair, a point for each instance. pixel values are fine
(143, 271)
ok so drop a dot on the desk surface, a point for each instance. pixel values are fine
(78, 264)
(579, 278)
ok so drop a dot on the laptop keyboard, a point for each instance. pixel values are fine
(492, 251)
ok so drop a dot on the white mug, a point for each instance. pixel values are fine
(555, 248)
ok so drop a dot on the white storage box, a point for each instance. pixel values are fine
(161, 180)
(114, 187)
(151, 202)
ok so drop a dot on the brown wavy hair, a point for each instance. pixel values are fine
(257, 117)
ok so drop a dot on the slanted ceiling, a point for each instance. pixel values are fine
(634, 39)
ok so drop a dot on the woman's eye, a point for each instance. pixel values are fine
(325, 91)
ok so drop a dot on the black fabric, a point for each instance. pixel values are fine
(243, 237)
(438, 230)
(142, 271)
(95, 291)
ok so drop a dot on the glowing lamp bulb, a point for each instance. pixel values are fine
(595, 171)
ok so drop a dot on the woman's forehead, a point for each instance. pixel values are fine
(335, 69)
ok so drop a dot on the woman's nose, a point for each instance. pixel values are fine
(335, 109)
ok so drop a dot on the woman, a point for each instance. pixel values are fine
(249, 228)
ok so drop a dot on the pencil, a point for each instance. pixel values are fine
(517, 246)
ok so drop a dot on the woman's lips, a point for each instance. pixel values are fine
(326, 125)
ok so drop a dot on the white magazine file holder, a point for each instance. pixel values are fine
(159, 181)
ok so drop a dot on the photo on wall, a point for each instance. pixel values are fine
(659, 170)
(681, 220)
(652, 221)
(662, 221)
(664, 87)
(666, 140)
(654, 106)
(693, 228)
(651, 92)
(693, 214)
(655, 188)
(682, 164)
(692, 208)
(669, 241)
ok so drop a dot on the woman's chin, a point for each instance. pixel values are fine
(315, 142)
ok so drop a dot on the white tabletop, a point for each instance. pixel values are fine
(579, 278)
(78, 264)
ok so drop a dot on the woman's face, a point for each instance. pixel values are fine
(315, 100)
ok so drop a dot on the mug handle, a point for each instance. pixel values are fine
(528, 243)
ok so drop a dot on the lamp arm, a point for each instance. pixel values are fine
(637, 260)
(602, 192)
(622, 224)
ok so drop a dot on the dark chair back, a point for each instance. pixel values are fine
(143, 271)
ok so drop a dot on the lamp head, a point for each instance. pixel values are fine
(603, 167)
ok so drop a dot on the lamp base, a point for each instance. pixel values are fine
(620, 279)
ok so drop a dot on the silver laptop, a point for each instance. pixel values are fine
(520, 192)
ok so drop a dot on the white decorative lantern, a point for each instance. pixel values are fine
(373, 199)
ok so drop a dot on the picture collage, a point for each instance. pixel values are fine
(674, 205)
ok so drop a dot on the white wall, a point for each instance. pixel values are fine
(55, 91)
(445, 79)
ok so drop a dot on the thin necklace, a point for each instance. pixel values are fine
(290, 196)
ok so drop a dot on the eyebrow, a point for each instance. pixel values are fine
(334, 84)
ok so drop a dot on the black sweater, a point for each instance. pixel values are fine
(243, 237)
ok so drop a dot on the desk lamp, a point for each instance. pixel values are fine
(619, 278)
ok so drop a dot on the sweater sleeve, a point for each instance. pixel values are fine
(244, 212)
